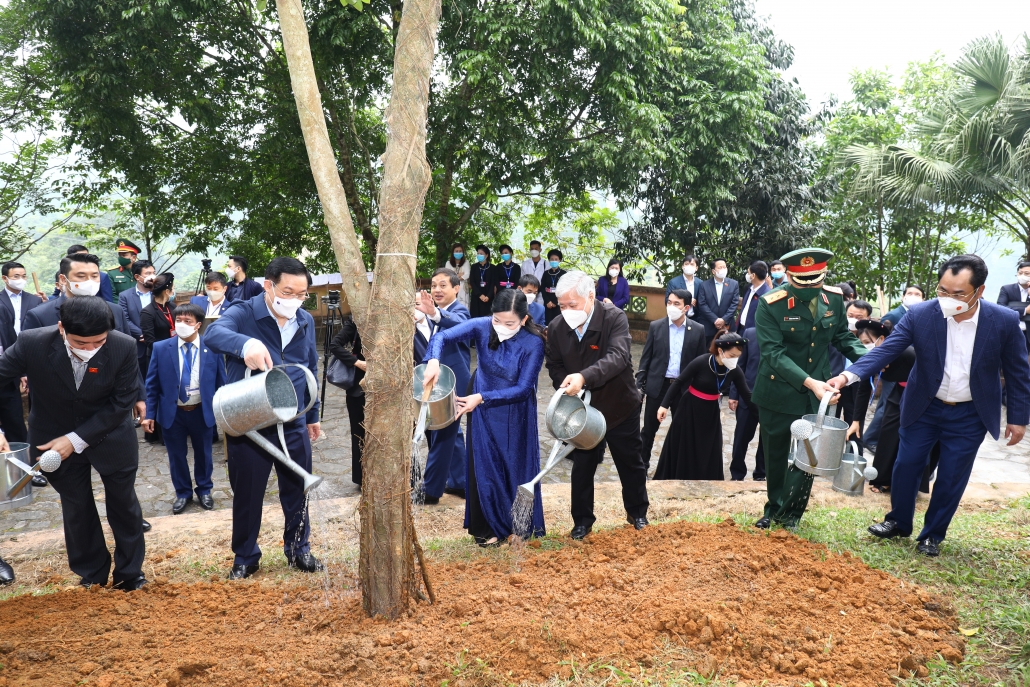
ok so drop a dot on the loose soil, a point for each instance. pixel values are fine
(749, 606)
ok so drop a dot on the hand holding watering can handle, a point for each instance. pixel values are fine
(824, 405)
(312, 386)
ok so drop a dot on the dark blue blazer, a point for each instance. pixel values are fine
(709, 309)
(49, 313)
(28, 302)
(753, 309)
(894, 316)
(1009, 297)
(163, 381)
(203, 302)
(456, 355)
(748, 362)
(621, 297)
(132, 306)
(999, 346)
(537, 312)
(250, 319)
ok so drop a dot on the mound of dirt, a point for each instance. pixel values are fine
(754, 607)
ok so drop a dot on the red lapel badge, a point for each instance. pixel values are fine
(594, 348)
(93, 370)
(825, 299)
(790, 302)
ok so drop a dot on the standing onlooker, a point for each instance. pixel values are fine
(506, 272)
(14, 298)
(530, 285)
(79, 276)
(717, 301)
(1017, 297)
(121, 277)
(777, 273)
(15, 303)
(671, 343)
(459, 264)
(688, 282)
(156, 320)
(482, 291)
(613, 288)
(132, 302)
(346, 347)
(746, 414)
(962, 344)
(534, 264)
(757, 287)
(213, 302)
(181, 383)
(855, 311)
(240, 288)
(913, 294)
(549, 285)
(106, 290)
(589, 348)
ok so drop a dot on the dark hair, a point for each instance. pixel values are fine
(451, 275)
(722, 260)
(140, 265)
(874, 326)
(973, 263)
(86, 316)
(511, 300)
(555, 251)
(483, 248)
(689, 258)
(529, 280)
(613, 261)
(536, 242)
(162, 283)
(66, 261)
(727, 340)
(862, 305)
(1019, 266)
(280, 266)
(759, 269)
(501, 248)
(847, 291)
(681, 294)
(775, 263)
(8, 266)
(922, 292)
(189, 309)
(213, 277)
(76, 248)
(464, 258)
(240, 261)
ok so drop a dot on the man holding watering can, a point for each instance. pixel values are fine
(260, 333)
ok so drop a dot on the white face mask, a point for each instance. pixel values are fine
(503, 333)
(230, 272)
(1023, 279)
(285, 307)
(215, 296)
(729, 363)
(952, 306)
(689, 270)
(534, 253)
(530, 297)
(184, 330)
(911, 300)
(613, 272)
(869, 346)
(81, 353)
(720, 274)
(83, 288)
(574, 318)
(17, 284)
(673, 312)
(852, 321)
(747, 277)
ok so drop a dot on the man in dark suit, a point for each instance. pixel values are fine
(183, 377)
(913, 294)
(257, 334)
(132, 301)
(79, 276)
(446, 464)
(14, 298)
(717, 301)
(671, 343)
(240, 288)
(106, 289)
(83, 382)
(588, 348)
(747, 417)
(1017, 297)
(757, 287)
(213, 302)
(15, 302)
(953, 395)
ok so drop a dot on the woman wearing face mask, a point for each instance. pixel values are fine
(481, 282)
(693, 447)
(461, 266)
(156, 319)
(613, 288)
(503, 444)
(506, 273)
(549, 285)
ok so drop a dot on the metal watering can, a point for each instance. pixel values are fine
(854, 471)
(16, 475)
(262, 400)
(440, 407)
(819, 449)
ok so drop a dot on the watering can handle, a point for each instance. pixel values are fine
(584, 394)
(312, 386)
(853, 446)
(824, 405)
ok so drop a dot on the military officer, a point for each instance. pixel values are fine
(795, 324)
(121, 276)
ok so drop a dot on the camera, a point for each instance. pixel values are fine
(206, 264)
(332, 300)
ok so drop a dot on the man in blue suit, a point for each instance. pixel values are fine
(1016, 297)
(717, 301)
(953, 394)
(265, 331)
(213, 302)
(757, 288)
(447, 464)
(747, 417)
(183, 377)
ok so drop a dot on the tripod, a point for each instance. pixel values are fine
(333, 321)
(202, 280)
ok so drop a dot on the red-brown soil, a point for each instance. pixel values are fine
(681, 596)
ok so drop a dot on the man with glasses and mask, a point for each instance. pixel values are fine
(1017, 297)
(953, 396)
(259, 333)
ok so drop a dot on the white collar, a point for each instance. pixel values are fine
(12, 294)
(183, 342)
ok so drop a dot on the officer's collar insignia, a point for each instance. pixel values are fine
(790, 302)
(825, 299)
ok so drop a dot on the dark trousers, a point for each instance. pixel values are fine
(446, 465)
(88, 556)
(960, 432)
(871, 435)
(356, 415)
(189, 424)
(651, 424)
(624, 442)
(747, 424)
(12, 417)
(787, 487)
(249, 468)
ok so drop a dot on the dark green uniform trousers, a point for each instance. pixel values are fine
(788, 487)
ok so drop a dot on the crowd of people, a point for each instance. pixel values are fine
(776, 343)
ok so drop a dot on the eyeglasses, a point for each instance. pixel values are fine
(962, 295)
(290, 294)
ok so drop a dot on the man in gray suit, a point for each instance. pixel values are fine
(84, 382)
(717, 301)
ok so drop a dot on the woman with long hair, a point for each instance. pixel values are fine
(459, 262)
(503, 444)
(693, 447)
(613, 288)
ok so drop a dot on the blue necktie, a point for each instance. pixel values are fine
(187, 372)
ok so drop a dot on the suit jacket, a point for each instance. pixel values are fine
(999, 346)
(456, 355)
(710, 309)
(753, 310)
(537, 312)
(48, 314)
(1011, 297)
(621, 296)
(163, 377)
(894, 316)
(602, 357)
(203, 302)
(243, 291)
(680, 282)
(654, 362)
(155, 325)
(748, 361)
(28, 302)
(98, 411)
(132, 306)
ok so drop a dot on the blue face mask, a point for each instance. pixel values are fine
(480, 257)
(459, 255)
(506, 256)
(554, 264)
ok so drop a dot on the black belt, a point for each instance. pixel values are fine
(189, 408)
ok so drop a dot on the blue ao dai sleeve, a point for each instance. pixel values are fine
(525, 387)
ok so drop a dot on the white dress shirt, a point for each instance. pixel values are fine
(676, 334)
(193, 389)
(718, 291)
(213, 308)
(423, 325)
(78, 371)
(16, 304)
(144, 297)
(1024, 296)
(689, 283)
(747, 305)
(537, 268)
(286, 333)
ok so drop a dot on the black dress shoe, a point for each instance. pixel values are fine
(39, 481)
(430, 500)
(888, 529)
(929, 547)
(763, 523)
(307, 563)
(460, 493)
(6, 573)
(146, 526)
(241, 572)
(638, 523)
(759, 479)
(179, 504)
(579, 532)
(206, 502)
(131, 585)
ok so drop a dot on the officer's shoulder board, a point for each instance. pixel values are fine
(774, 296)
(833, 289)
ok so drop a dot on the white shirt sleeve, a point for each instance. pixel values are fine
(77, 443)
(851, 376)
(246, 346)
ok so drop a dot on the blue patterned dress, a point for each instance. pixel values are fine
(503, 443)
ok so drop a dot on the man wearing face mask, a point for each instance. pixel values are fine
(755, 279)
(506, 273)
(132, 303)
(79, 276)
(1017, 297)
(962, 344)
(717, 301)
(106, 290)
(265, 331)
(588, 348)
(795, 325)
(15, 303)
(534, 264)
(686, 281)
(122, 278)
(240, 287)
(213, 302)
(777, 273)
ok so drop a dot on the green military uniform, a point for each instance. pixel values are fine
(794, 328)
(121, 276)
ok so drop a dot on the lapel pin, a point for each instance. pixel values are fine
(93, 370)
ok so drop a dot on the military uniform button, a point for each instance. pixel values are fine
(772, 376)
(813, 345)
(813, 329)
(791, 329)
(809, 360)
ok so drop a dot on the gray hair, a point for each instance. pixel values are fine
(580, 282)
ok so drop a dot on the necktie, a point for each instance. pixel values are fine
(187, 372)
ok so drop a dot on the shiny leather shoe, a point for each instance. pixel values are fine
(179, 504)
(763, 523)
(146, 526)
(206, 502)
(242, 572)
(131, 585)
(638, 523)
(307, 563)
(6, 573)
(888, 529)
(579, 532)
(430, 500)
(39, 481)
(929, 547)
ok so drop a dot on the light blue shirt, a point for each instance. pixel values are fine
(586, 324)
(288, 330)
(144, 298)
(676, 334)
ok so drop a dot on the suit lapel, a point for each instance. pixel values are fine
(60, 364)
(984, 334)
(941, 330)
(93, 370)
(664, 342)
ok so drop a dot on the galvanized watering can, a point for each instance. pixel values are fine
(262, 400)
(440, 407)
(827, 440)
(854, 471)
(16, 474)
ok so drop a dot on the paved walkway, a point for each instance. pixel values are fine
(996, 463)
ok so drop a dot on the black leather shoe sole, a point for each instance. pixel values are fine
(763, 523)
(579, 532)
(240, 572)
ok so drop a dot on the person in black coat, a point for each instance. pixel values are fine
(481, 283)
(156, 319)
(549, 285)
(346, 347)
(1017, 297)
(746, 414)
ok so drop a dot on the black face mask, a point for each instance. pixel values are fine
(802, 294)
